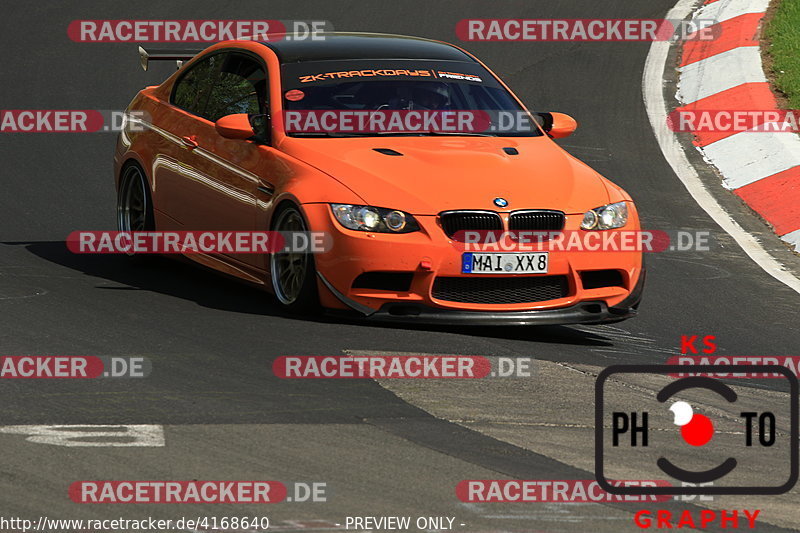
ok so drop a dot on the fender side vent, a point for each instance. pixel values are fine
(387, 151)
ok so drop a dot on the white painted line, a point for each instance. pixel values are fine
(793, 238)
(723, 10)
(750, 156)
(719, 73)
(95, 436)
(652, 88)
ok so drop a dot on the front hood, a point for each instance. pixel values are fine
(436, 174)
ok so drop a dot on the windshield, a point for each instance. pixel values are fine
(400, 97)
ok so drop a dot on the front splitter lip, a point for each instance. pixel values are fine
(589, 312)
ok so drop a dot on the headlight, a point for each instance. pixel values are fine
(377, 219)
(606, 217)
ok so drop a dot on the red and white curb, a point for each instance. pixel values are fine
(763, 168)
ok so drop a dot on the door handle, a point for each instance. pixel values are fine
(190, 142)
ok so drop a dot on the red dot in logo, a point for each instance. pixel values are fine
(698, 431)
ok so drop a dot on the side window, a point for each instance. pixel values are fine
(240, 88)
(193, 89)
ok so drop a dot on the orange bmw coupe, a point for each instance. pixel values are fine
(212, 151)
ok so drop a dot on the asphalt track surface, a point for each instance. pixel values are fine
(212, 340)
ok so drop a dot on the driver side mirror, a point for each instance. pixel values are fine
(235, 126)
(558, 125)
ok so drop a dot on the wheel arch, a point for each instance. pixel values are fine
(131, 158)
(281, 203)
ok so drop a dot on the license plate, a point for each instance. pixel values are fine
(476, 263)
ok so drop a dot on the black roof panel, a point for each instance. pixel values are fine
(338, 46)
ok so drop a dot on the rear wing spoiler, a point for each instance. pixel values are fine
(179, 56)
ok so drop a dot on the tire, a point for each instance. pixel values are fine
(294, 275)
(134, 203)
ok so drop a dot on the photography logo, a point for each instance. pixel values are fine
(744, 442)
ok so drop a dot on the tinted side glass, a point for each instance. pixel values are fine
(192, 90)
(240, 88)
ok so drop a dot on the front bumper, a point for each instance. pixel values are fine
(428, 255)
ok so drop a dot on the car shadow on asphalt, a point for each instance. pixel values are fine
(187, 280)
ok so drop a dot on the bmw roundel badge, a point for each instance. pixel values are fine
(501, 202)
